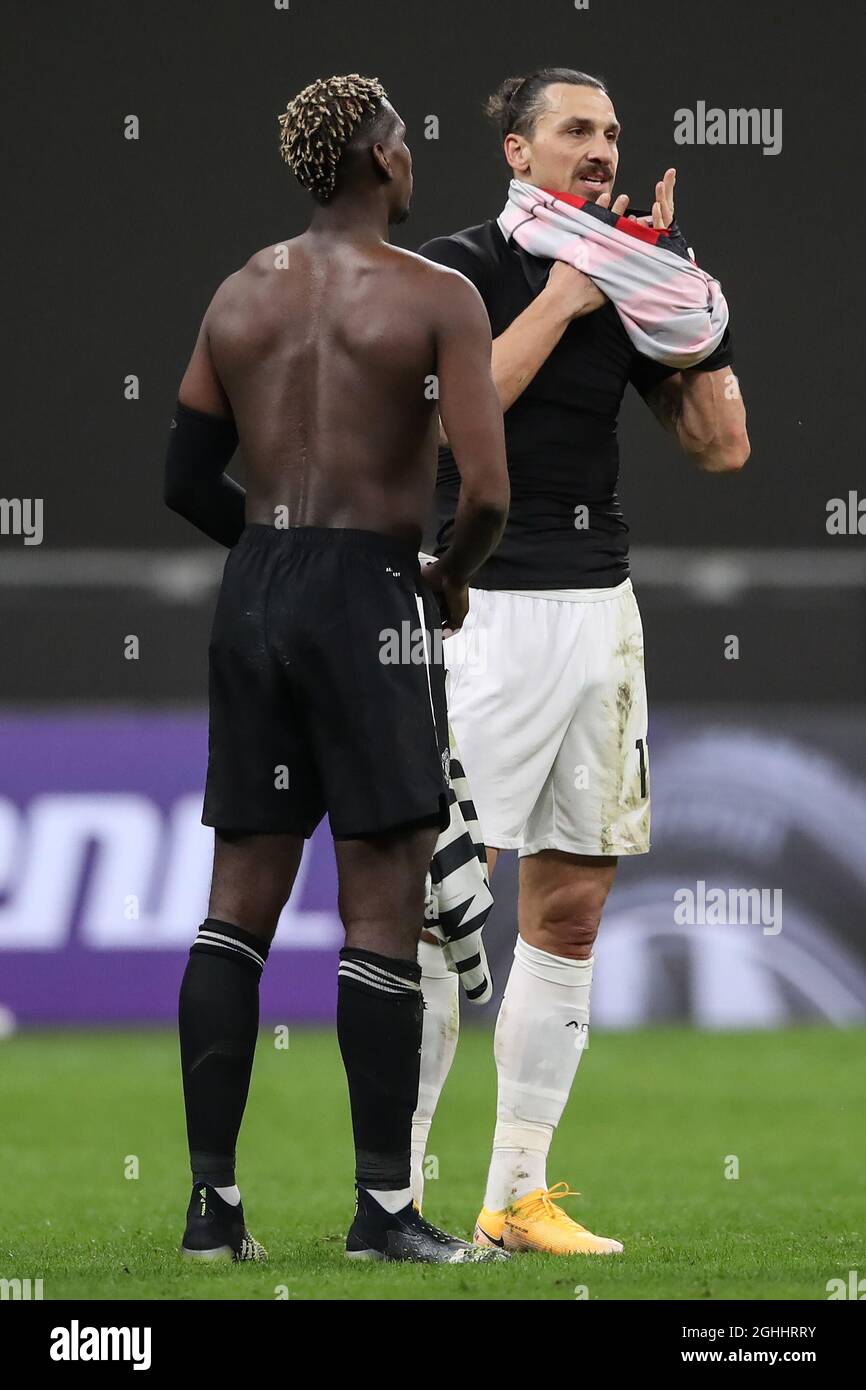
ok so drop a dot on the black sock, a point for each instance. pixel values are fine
(379, 1018)
(219, 1023)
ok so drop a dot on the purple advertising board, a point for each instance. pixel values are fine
(750, 910)
(105, 870)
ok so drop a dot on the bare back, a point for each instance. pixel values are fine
(326, 364)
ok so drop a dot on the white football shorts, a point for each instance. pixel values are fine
(547, 699)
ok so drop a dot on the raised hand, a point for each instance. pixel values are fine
(663, 208)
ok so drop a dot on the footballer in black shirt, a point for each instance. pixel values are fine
(547, 695)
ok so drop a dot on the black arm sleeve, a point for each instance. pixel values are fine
(199, 449)
(722, 356)
(645, 374)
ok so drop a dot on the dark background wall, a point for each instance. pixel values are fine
(115, 246)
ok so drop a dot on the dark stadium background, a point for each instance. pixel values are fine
(114, 248)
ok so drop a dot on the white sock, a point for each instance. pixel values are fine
(392, 1201)
(232, 1195)
(540, 1035)
(440, 989)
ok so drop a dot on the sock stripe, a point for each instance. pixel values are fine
(228, 943)
(359, 971)
(350, 974)
(386, 974)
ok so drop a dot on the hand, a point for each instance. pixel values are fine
(452, 597)
(573, 292)
(663, 207)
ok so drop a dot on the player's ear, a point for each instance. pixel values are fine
(381, 161)
(515, 154)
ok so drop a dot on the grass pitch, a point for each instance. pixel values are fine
(656, 1120)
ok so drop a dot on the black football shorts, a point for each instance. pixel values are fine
(327, 687)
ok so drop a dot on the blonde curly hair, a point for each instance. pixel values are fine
(318, 124)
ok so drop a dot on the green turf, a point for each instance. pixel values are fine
(653, 1117)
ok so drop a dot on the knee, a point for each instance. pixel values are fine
(566, 921)
(259, 919)
(255, 911)
(396, 936)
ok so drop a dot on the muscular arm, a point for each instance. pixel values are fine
(525, 346)
(202, 441)
(704, 412)
(471, 414)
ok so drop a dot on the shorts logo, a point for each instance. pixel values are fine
(446, 764)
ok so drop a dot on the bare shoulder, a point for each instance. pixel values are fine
(435, 274)
(229, 295)
(447, 288)
(277, 256)
(237, 289)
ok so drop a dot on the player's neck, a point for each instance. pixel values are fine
(359, 218)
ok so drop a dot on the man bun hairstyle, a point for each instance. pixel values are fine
(321, 121)
(518, 101)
